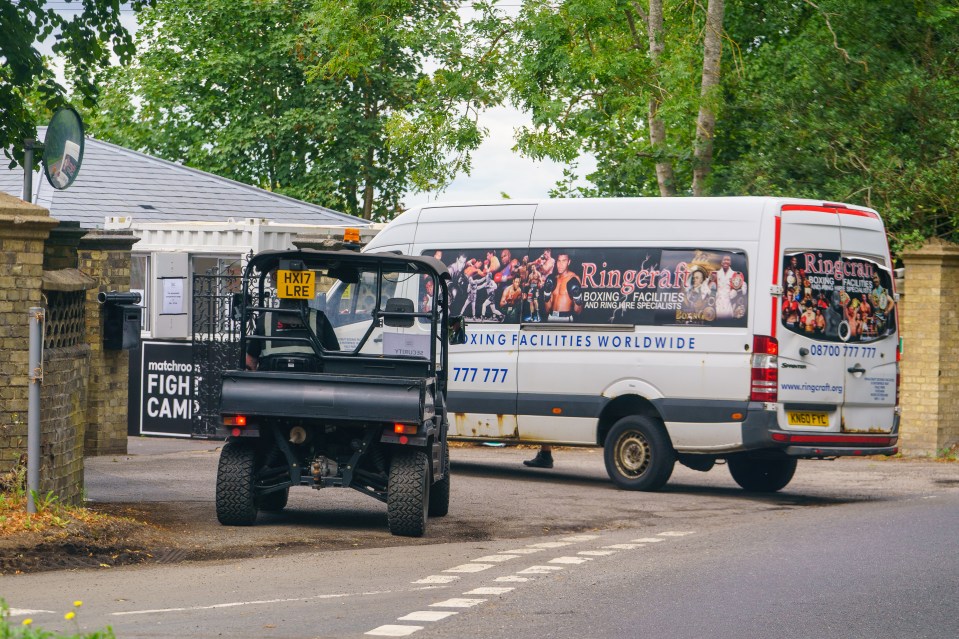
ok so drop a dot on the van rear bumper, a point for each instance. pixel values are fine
(761, 432)
(812, 452)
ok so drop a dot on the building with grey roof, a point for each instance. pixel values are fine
(120, 183)
(187, 221)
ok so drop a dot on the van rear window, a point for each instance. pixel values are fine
(833, 298)
(648, 287)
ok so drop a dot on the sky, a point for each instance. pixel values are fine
(498, 169)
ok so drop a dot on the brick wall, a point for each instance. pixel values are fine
(23, 230)
(106, 257)
(930, 362)
(63, 420)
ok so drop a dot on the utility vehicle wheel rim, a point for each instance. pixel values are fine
(633, 454)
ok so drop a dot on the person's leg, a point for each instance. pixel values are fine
(543, 459)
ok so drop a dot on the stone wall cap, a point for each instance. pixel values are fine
(67, 280)
(109, 240)
(11, 205)
(933, 247)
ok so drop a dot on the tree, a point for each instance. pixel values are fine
(85, 39)
(325, 101)
(635, 84)
(848, 100)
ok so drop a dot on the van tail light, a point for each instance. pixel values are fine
(764, 373)
(234, 420)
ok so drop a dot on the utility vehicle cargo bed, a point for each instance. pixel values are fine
(327, 396)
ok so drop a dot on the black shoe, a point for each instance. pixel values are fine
(542, 460)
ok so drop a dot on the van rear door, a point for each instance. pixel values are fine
(837, 346)
(811, 357)
(870, 368)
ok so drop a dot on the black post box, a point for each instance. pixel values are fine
(121, 320)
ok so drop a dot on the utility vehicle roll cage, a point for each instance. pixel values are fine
(345, 266)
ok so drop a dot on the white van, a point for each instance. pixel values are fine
(754, 330)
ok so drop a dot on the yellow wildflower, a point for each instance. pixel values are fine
(77, 603)
(27, 622)
(70, 615)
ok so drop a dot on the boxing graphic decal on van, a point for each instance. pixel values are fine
(833, 298)
(643, 287)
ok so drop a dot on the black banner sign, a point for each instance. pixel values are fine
(648, 287)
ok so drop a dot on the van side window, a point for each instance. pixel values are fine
(632, 286)
(829, 297)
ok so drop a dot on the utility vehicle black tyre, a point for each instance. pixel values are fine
(274, 502)
(408, 493)
(761, 475)
(235, 497)
(440, 491)
(638, 453)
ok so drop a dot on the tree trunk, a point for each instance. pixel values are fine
(657, 129)
(706, 122)
(368, 186)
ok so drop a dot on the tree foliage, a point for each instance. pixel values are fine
(849, 100)
(328, 101)
(603, 77)
(85, 37)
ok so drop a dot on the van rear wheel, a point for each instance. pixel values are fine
(762, 475)
(638, 454)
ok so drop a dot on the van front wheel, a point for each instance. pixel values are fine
(638, 454)
(762, 475)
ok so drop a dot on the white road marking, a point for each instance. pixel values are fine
(457, 603)
(469, 568)
(675, 533)
(624, 546)
(234, 604)
(570, 560)
(496, 558)
(648, 540)
(488, 590)
(580, 538)
(394, 631)
(596, 553)
(437, 579)
(428, 615)
(539, 570)
(524, 551)
(513, 578)
(551, 544)
(26, 612)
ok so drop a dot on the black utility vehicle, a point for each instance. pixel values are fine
(343, 384)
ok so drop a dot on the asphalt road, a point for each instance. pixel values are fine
(852, 549)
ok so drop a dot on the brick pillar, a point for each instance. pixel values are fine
(930, 361)
(105, 256)
(23, 230)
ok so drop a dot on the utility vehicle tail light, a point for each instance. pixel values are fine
(234, 420)
(764, 373)
(404, 429)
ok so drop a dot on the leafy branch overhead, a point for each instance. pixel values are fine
(85, 37)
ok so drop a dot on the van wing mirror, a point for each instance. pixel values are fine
(457, 329)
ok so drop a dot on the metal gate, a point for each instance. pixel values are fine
(217, 298)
